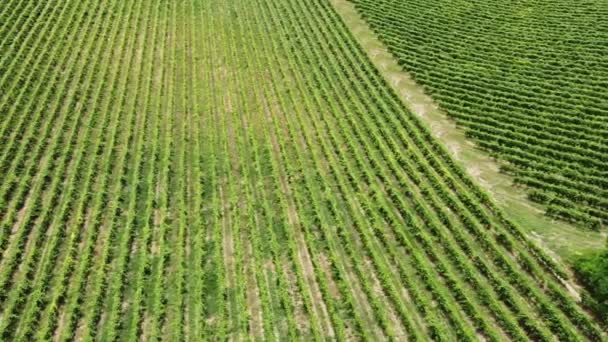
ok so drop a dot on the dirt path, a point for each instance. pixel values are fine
(563, 239)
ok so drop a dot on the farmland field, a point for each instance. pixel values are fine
(528, 79)
(240, 170)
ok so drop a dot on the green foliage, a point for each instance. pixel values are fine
(592, 270)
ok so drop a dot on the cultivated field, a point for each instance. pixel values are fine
(213, 170)
(528, 80)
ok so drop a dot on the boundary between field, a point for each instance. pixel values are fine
(562, 239)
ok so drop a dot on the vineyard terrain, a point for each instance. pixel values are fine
(528, 80)
(566, 239)
(241, 170)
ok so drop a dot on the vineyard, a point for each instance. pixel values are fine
(527, 79)
(239, 170)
